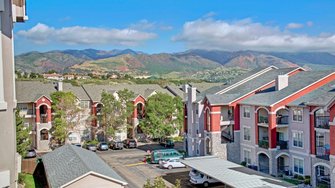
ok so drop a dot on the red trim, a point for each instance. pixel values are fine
(272, 131)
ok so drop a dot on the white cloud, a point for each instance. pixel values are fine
(144, 25)
(294, 26)
(248, 35)
(79, 35)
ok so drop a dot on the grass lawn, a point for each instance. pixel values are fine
(292, 181)
(29, 181)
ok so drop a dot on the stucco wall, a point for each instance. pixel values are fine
(94, 181)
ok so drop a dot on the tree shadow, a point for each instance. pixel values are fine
(40, 176)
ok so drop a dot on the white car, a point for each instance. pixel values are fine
(198, 178)
(171, 163)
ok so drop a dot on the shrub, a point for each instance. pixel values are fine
(243, 163)
(307, 181)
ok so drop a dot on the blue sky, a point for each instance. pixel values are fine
(155, 26)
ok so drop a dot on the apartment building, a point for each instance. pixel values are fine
(275, 120)
(35, 104)
(10, 13)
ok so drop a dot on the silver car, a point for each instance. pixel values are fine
(91, 147)
(31, 153)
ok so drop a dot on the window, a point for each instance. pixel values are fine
(208, 122)
(298, 139)
(246, 112)
(320, 139)
(246, 133)
(84, 104)
(297, 115)
(44, 134)
(246, 155)
(22, 107)
(298, 166)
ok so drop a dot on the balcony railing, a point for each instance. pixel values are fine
(263, 144)
(282, 120)
(322, 122)
(284, 170)
(227, 136)
(263, 119)
(322, 152)
(282, 144)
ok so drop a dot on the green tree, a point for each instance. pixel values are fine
(67, 115)
(158, 183)
(115, 111)
(23, 140)
(163, 115)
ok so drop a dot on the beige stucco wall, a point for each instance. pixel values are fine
(7, 124)
(94, 181)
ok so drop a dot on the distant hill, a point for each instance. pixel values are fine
(183, 63)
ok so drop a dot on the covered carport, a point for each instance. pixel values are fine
(233, 175)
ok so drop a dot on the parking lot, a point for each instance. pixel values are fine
(129, 164)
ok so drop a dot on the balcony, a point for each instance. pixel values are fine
(263, 144)
(263, 120)
(282, 120)
(282, 145)
(322, 152)
(226, 137)
(322, 122)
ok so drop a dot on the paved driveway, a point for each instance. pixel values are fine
(129, 164)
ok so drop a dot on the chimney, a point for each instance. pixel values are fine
(281, 82)
(192, 94)
(185, 88)
(60, 85)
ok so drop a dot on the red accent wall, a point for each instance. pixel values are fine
(332, 130)
(42, 100)
(137, 100)
(257, 129)
(94, 113)
(272, 131)
(215, 118)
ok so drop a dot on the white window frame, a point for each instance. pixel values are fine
(318, 140)
(302, 139)
(303, 165)
(244, 135)
(302, 115)
(244, 113)
(245, 159)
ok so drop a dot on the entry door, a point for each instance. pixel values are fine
(281, 163)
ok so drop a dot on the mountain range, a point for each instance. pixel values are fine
(183, 63)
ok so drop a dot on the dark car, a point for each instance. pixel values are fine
(77, 144)
(102, 146)
(91, 147)
(116, 145)
(130, 143)
(31, 153)
(167, 142)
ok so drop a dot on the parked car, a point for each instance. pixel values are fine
(198, 178)
(31, 153)
(167, 142)
(129, 143)
(102, 146)
(116, 145)
(77, 144)
(171, 163)
(91, 147)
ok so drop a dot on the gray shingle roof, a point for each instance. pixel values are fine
(145, 90)
(30, 91)
(319, 97)
(69, 162)
(245, 88)
(295, 83)
(78, 91)
(223, 99)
